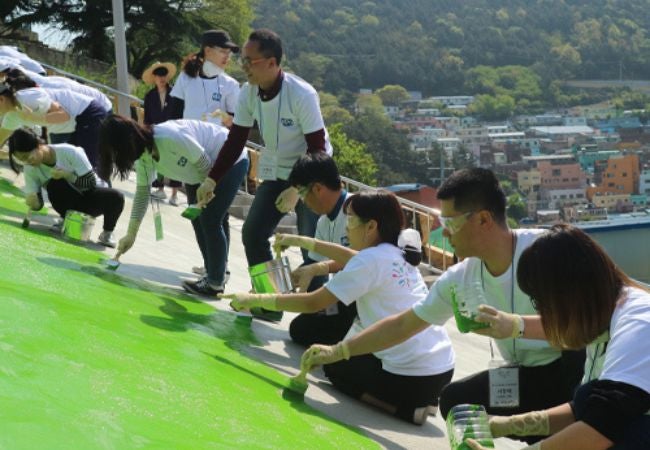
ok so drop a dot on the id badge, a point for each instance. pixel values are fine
(157, 221)
(268, 166)
(504, 384)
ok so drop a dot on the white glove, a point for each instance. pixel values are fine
(284, 241)
(287, 199)
(534, 423)
(245, 300)
(205, 192)
(57, 173)
(502, 324)
(125, 244)
(319, 354)
(302, 276)
(33, 202)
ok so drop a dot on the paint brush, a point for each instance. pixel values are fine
(114, 263)
(26, 220)
(298, 383)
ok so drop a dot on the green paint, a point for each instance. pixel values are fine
(93, 360)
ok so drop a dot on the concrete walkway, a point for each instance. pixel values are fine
(169, 261)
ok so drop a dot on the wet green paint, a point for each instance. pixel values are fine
(93, 360)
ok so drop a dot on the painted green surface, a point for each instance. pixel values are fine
(93, 360)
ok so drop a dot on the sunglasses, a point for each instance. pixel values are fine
(453, 224)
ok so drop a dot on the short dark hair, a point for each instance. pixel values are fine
(121, 142)
(270, 44)
(22, 140)
(573, 284)
(19, 80)
(383, 207)
(474, 190)
(316, 167)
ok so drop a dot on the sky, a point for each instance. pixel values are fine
(52, 36)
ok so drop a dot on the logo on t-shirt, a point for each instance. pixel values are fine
(182, 161)
(216, 97)
(345, 241)
(286, 122)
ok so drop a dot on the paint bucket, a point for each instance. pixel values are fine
(272, 276)
(77, 226)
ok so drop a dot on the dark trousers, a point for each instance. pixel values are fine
(263, 217)
(540, 387)
(105, 202)
(160, 182)
(320, 328)
(363, 375)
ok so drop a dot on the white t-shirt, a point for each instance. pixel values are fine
(203, 96)
(39, 100)
(25, 61)
(627, 355)
(283, 123)
(181, 145)
(332, 229)
(436, 308)
(68, 157)
(54, 82)
(383, 283)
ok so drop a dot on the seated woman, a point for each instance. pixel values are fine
(65, 172)
(584, 300)
(405, 380)
(184, 150)
(68, 115)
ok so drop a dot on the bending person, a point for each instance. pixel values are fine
(71, 184)
(585, 301)
(405, 380)
(183, 150)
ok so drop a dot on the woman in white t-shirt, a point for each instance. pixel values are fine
(203, 89)
(71, 184)
(184, 150)
(62, 111)
(405, 380)
(585, 300)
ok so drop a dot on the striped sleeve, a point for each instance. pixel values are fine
(140, 200)
(86, 182)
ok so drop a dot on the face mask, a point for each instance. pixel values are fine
(211, 70)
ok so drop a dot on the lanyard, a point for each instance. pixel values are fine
(512, 291)
(277, 128)
(205, 95)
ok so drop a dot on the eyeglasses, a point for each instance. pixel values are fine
(245, 61)
(304, 190)
(453, 224)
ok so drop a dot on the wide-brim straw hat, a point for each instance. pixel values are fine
(148, 77)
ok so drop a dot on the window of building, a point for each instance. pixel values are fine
(556, 172)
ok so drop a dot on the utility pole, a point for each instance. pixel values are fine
(441, 168)
(123, 106)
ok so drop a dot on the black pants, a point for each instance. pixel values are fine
(95, 202)
(364, 375)
(540, 387)
(320, 328)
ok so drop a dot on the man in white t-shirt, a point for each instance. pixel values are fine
(319, 186)
(473, 215)
(287, 112)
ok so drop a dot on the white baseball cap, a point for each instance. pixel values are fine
(410, 238)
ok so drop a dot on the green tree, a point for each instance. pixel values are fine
(392, 94)
(352, 157)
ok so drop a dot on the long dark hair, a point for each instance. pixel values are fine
(381, 206)
(121, 142)
(193, 64)
(573, 284)
(18, 80)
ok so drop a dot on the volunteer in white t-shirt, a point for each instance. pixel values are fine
(404, 380)
(287, 112)
(203, 90)
(318, 182)
(183, 150)
(62, 111)
(585, 300)
(71, 184)
(474, 220)
(25, 60)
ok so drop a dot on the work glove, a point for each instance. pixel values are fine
(284, 241)
(57, 173)
(205, 192)
(246, 300)
(534, 423)
(287, 199)
(471, 443)
(319, 354)
(502, 324)
(302, 276)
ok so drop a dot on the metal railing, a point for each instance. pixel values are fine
(421, 217)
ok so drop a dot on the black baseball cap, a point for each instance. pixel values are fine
(218, 38)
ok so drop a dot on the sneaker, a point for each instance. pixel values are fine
(159, 194)
(267, 315)
(173, 200)
(201, 287)
(199, 270)
(432, 410)
(106, 238)
(420, 415)
(57, 226)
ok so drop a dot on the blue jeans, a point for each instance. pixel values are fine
(263, 217)
(208, 227)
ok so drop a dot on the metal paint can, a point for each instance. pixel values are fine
(272, 276)
(77, 226)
